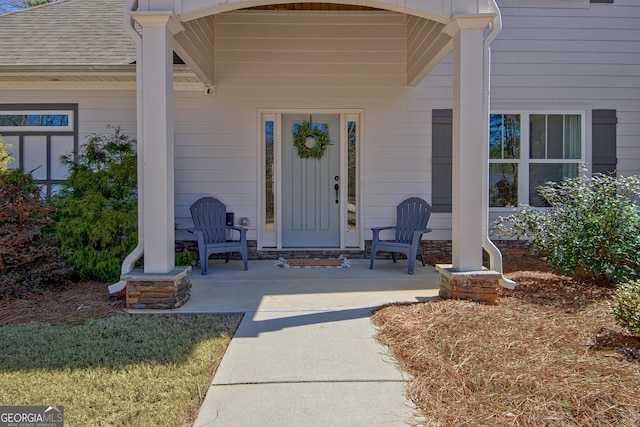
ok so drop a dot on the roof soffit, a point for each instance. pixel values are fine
(427, 41)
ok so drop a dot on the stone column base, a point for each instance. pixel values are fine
(158, 290)
(481, 286)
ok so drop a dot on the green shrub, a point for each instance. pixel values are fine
(5, 158)
(28, 256)
(96, 211)
(186, 258)
(590, 231)
(626, 306)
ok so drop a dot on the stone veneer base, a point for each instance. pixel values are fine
(158, 290)
(481, 285)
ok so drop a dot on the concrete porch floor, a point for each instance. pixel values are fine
(304, 353)
(267, 287)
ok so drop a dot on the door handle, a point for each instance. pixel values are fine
(337, 188)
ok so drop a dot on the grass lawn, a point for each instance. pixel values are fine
(150, 370)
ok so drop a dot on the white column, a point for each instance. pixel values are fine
(468, 126)
(157, 141)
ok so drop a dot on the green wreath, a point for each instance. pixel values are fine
(304, 131)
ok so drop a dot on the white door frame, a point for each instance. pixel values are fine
(273, 240)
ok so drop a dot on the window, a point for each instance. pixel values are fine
(352, 152)
(528, 149)
(36, 120)
(269, 178)
(352, 176)
(39, 135)
(504, 150)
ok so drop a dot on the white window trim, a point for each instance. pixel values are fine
(524, 162)
(273, 240)
(267, 240)
(352, 239)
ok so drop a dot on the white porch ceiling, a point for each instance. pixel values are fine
(196, 46)
(426, 44)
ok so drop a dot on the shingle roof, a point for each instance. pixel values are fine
(67, 32)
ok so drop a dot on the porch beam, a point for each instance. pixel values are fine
(157, 139)
(468, 125)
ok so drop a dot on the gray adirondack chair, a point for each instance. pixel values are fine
(210, 226)
(411, 223)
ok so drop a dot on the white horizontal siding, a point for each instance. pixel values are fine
(310, 49)
(397, 159)
(215, 155)
(586, 56)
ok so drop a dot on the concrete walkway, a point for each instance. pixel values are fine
(304, 354)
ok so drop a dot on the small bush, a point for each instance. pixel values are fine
(626, 306)
(5, 158)
(186, 258)
(96, 211)
(28, 256)
(590, 231)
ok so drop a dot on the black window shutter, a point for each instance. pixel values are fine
(441, 153)
(603, 134)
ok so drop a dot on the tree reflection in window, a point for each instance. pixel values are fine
(34, 120)
(504, 152)
(352, 208)
(269, 176)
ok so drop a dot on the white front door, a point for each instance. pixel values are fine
(310, 186)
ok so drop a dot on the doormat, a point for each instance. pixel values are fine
(340, 262)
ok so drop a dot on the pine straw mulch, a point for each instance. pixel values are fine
(548, 353)
(74, 302)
